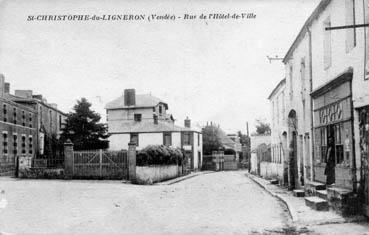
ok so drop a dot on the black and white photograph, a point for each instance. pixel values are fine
(184, 117)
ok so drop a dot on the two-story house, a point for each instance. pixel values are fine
(144, 119)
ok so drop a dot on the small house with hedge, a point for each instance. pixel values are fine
(144, 119)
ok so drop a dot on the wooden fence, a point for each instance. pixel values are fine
(100, 164)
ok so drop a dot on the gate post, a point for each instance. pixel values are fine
(132, 161)
(68, 159)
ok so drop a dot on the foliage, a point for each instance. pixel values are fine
(244, 139)
(262, 128)
(159, 155)
(83, 128)
(211, 139)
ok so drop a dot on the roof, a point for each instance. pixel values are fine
(142, 101)
(318, 10)
(280, 84)
(149, 126)
(18, 99)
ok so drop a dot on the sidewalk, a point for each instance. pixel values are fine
(300, 213)
(185, 177)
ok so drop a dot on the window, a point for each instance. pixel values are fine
(198, 139)
(291, 81)
(350, 20)
(134, 138)
(23, 144)
(323, 139)
(23, 118)
(327, 44)
(160, 109)
(51, 119)
(5, 116)
(15, 143)
(283, 106)
(5, 142)
(303, 82)
(277, 110)
(338, 143)
(30, 119)
(138, 117)
(30, 145)
(167, 139)
(14, 115)
(60, 122)
(186, 138)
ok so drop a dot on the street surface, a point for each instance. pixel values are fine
(215, 203)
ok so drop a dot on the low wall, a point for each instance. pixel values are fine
(41, 173)
(152, 174)
(271, 170)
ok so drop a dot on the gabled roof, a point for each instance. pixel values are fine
(318, 10)
(142, 101)
(150, 126)
(280, 84)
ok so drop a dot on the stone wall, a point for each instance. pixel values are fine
(153, 174)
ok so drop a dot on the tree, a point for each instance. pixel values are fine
(83, 128)
(262, 128)
(211, 139)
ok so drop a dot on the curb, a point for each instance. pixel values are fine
(184, 178)
(291, 211)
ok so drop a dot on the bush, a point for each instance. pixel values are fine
(159, 155)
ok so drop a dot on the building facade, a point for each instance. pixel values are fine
(18, 131)
(49, 124)
(328, 87)
(143, 119)
(279, 149)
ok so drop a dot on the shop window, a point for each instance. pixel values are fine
(30, 145)
(15, 144)
(5, 115)
(323, 144)
(134, 138)
(23, 144)
(5, 142)
(167, 139)
(138, 117)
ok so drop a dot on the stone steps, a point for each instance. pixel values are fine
(317, 203)
(299, 193)
(323, 194)
(273, 181)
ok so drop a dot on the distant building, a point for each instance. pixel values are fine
(143, 119)
(260, 151)
(18, 130)
(49, 123)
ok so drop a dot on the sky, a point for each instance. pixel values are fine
(209, 70)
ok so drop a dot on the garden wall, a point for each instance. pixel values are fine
(155, 173)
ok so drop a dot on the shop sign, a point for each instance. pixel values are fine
(330, 113)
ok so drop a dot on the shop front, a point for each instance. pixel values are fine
(333, 132)
(364, 152)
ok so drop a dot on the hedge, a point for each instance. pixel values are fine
(159, 155)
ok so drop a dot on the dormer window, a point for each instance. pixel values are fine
(138, 117)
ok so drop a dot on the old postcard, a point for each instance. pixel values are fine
(184, 117)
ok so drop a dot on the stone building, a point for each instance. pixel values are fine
(327, 85)
(279, 149)
(144, 120)
(49, 124)
(18, 131)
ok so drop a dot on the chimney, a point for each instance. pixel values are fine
(187, 123)
(129, 97)
(7, 88)
(2, 85)
(155, 119)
